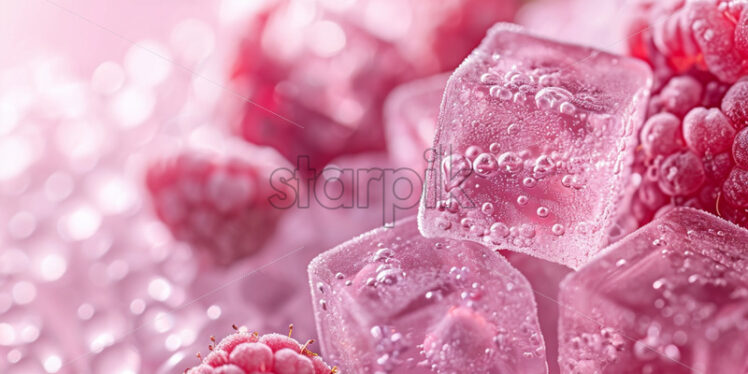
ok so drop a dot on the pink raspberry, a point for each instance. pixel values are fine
(245, 353)
(708, 35)
(699, 160)
(218, 199)
(316, 74)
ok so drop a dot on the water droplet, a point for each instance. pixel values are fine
(527, 231)
(467, 222)
(530, 182)
(658, 284)
(456, 169)
(522, 200)
(472, 152)
(443, 224)
(498, 232)
(558, 229)
(547, 80)
(451, 205)
(511, 162)
(551, 97)
(500, 92)
(543, 166)
(485, 165)
(383, 254)
(487, 208)
(567, 108)
(489, 78)
(542, 211)
(388, 276)
(494, 148)
(572, 181)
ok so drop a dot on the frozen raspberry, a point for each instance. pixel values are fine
(699, 161)
(245, 353)
(316, 73)
(708, 35)
(315, 86)
(217, 199)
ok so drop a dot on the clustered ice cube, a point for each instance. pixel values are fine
(533, 136)
(670, 298)
(394, 301)
(411, 111)
(534, 151)
(537, 154)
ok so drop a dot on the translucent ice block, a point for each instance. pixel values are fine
(545, 278)
(411, 111)
(393, 301)
(670, 298)
(532, 138)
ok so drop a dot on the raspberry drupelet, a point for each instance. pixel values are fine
(249, 353)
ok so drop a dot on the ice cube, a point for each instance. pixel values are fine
(670, 298)
(410, 119)
(545, 278)
(394, 301)
(532, 138)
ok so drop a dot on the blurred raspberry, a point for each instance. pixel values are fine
(242, 352)
(217, 199)
(694, 150)
(316, 73)
(707, 35)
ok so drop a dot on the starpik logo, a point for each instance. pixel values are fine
(391, 190)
